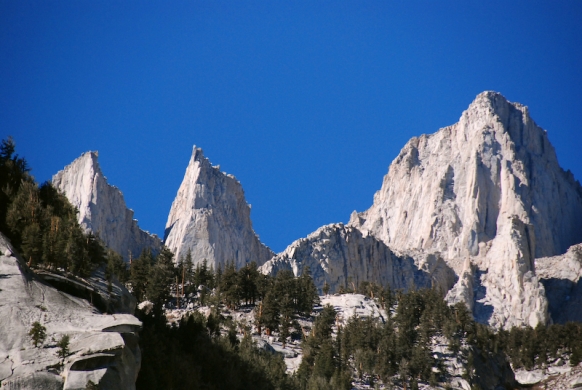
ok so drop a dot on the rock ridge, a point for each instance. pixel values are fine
(341, 256)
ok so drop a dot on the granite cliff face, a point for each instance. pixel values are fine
(454, 191)
(486, 195)
(211, 218)
(102, 209)
(103, 348)
(340, 255)
(489, 195)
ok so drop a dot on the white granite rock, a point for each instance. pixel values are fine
(484, 194)
(481, 195)
(102, 209)
(99, 344)
(532, 377)
(211, 217)
(341, 255)
(453, 190)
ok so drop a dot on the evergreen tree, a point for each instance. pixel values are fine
(270, 313)
(230, 288)
(139, 271)
(13, 172)
(63, 346)
(187, 272)
(25, 210)
(247, 280)
(160, 278)
(116, 267)
(308, 296)
(37, 333)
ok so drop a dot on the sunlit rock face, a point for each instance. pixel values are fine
(453, 190)
(103, 348)
(211, 218)
(487, 194)
(341, 256)
(102, 209)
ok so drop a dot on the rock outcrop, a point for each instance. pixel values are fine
(341, 255)
(103, 348)
(561, 276)
(102, 209)
(484, 194)
(211, 218)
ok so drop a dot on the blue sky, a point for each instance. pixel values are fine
(305, 102)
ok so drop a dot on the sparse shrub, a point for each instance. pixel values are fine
(37, 333)
(63, 346)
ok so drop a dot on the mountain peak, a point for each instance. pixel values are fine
(197, 154)
(102, 209)
(211, 218)
(482, 189)
(491, 104)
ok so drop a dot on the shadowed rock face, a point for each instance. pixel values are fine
(102, 209)
(561, 276)
(211, 218)
(103, 348)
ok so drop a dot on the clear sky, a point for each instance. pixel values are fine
(305, 102)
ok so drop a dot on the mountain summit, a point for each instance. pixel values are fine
(211, 218)
(487, 196)
(102, 209)
(454, 191)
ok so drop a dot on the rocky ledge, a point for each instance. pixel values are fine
(103, 349)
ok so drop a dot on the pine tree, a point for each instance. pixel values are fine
(270, 313)
(25, 209)
(188, 272)
(116, 267)
(160, 278)
(139, 271)
(230, 288)
(308, 296)
(13, 172)
(37, 333)
(247, 280)
(63, 345)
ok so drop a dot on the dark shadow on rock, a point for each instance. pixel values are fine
(564, 299)
(481, 312)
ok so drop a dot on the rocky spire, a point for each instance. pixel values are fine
(211, 218)
(102, 209)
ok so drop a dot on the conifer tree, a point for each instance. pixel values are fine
(139, 271)
(63, 345)
(116, 267)
(308, 296)
(230, 288)
(270, 313)
(13, 172)
(37, 333)
(160, 278)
